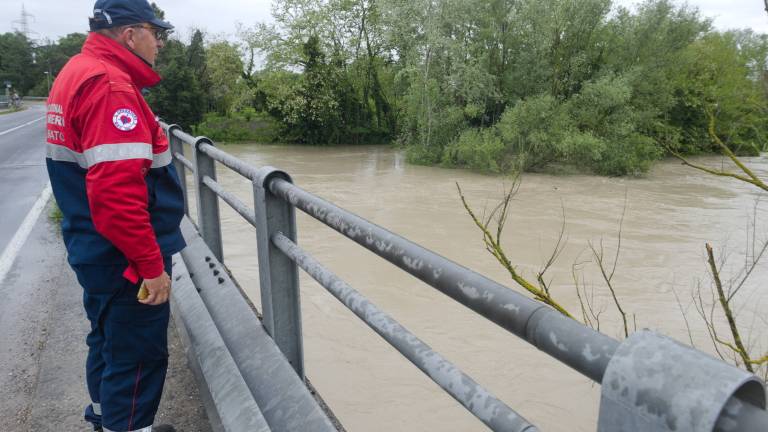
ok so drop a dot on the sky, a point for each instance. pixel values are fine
(56, 18)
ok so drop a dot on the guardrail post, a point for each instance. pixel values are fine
(654, 383)
(177, 146)
(278, 274)
(207, 200)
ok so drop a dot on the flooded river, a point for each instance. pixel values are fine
(670, 214)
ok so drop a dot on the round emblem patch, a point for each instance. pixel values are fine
(125, 119)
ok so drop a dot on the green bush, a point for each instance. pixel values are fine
(582, 148)
(603, 107)
(608, 141)
(422, 155)
(533, 130)
(247, 125)
(481, 150)
(426, 144)
(594, 130)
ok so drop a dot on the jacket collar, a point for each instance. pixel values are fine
(104, 48)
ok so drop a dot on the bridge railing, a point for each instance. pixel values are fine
(654, 382)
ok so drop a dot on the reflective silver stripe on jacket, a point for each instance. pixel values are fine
(117, 152)
(146, 429)
(108, 153)
(162, 159)
(96, 408)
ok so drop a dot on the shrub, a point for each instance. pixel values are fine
(479, 149)
(632, 155)
(533, 130)
(247, 125)
(428, 141)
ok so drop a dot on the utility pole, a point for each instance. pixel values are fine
(23, 22)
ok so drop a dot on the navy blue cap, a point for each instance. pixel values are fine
(114, 13)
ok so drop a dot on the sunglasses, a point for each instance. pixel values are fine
(158, 33)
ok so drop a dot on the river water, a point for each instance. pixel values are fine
(669, 216)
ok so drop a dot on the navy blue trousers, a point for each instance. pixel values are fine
(127, 349)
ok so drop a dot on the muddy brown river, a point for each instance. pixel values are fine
(670, 215)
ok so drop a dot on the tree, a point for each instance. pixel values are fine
(179, 97)
(345, 37)
(17, 61)
(224, 69)
(306, 103)
(51, 57)
(714, 74)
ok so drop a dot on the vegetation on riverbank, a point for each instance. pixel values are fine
(492, 85)
(246, 125)
(483, 84)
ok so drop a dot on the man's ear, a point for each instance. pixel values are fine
(126, 37)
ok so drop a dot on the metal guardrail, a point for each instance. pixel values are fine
(644, 388)
(285, 400)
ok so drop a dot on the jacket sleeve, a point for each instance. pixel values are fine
(117, 145)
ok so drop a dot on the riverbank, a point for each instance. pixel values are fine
(487, 151)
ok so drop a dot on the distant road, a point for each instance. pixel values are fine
(22, 167)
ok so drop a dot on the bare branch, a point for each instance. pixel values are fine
(750, 177)
(621, 226)
(749, 271)
(585, 318)
(761, 361)
(556, 252)
(739, 348)
(713, 134)
(607, 278)
(685, 317)
(493, 245)
(584, 302)
(698, 302)
(502, 219)
(710, 170)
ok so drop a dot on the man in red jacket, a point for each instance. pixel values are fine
(109, 165)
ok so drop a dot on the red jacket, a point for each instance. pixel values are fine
(109, 161)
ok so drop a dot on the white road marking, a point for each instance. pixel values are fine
(18, 240)
(19, 127)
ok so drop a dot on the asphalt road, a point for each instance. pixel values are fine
(22, 166)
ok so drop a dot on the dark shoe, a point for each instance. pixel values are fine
(163, 428)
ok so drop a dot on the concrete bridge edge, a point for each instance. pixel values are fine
(226, 398)
(211, 312)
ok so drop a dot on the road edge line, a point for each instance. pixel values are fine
(14, 246)
(21, 126)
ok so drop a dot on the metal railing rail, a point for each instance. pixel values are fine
(485, 406)
(275, 197)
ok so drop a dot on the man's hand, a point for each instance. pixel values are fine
(159, 290)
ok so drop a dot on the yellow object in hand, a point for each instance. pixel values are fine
(143, 292)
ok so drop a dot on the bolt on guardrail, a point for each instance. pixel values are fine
(650, 382)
